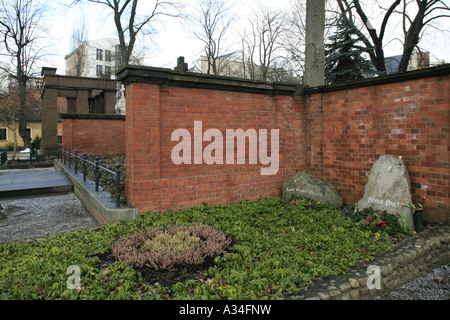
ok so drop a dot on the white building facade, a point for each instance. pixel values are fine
(98, 59)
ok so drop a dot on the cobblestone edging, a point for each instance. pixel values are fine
(410, 259)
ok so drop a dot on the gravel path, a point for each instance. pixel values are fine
(434, 286)
(41, 216)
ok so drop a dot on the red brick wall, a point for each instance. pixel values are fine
(154, 182)
(94, 135)
(350, 128)
(336, 133)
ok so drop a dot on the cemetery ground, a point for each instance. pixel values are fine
(277, 248)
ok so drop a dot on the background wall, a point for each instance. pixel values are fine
(333, 132)
(349, 128)
(94, 134)
(154, 112)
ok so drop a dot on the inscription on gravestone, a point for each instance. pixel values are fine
(303, 184)
(387, 187)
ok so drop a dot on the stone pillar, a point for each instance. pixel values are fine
(50, 123)
(110, 102)
(101, 103)
(82, 103)
(71, 105)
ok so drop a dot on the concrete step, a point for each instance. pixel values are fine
(18, 183)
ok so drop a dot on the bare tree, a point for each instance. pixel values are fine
(248, 67)
(262, 47)
(214, 21)
(294, 40)
(78, 37)
(20, 29)
(130, 20)
(9, 113)
(413, 26)
(424, 13)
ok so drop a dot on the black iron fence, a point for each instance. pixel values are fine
(73, 160)
(33, 154)
(3, 157)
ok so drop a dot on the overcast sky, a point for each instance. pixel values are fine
(175, 38)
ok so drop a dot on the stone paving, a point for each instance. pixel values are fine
(32, 182)
(36, 203)
(37, 217)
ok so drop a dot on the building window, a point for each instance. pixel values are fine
(99, 71)
(3, 134)
(107, 71)
(108, 55)
(99, 54)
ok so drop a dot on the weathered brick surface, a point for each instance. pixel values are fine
(336, 134)
(154, 182)
(350, 128)
(94, 136)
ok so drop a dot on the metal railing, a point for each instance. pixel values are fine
(3, 157)
(66, 156)
(4, 154)
(32, 152)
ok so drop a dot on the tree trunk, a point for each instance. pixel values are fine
(412, 37)
(315, 51)
(22, 85)
(14, 127)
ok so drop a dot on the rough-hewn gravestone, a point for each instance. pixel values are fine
(387, 187)
(303, 184)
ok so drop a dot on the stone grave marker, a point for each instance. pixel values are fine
(303, 184)
(388, 186)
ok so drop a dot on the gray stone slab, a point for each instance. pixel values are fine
(99, 203)
(33, 182)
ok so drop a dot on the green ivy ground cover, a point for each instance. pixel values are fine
(281, 247)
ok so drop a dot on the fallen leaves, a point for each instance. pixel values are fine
(440, 281)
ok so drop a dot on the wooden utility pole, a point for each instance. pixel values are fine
(315, 51)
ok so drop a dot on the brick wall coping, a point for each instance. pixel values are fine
(76, 116)
(436, 71)
(170, 78)
(59, 82)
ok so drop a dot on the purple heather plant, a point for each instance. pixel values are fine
(164, 247)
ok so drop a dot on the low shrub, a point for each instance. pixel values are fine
(10, 146)
(164, 247)
(278, 248)
(380, 221)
